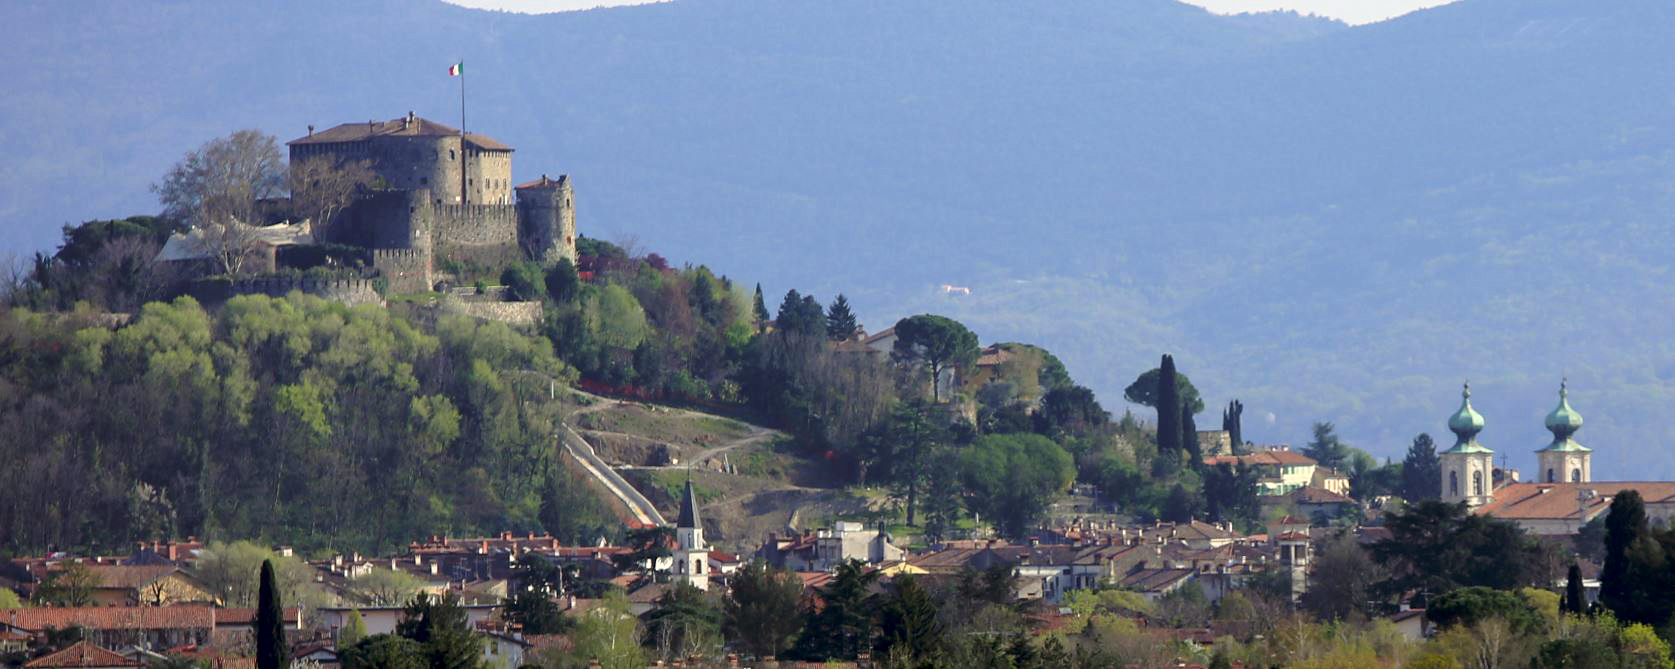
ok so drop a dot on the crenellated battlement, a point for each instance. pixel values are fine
(349, 291)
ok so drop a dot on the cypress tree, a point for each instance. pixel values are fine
(271, 652)
(1168, 410)
(761, 307)
(1231, 421)
(1189, 437)
(1625, 523)
(909, 621)
(1573, 591)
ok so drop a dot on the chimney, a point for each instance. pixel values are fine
(311, 130)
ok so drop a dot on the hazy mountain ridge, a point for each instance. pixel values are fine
(1334, 223)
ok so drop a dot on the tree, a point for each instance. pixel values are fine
(72, 585)
(563, 282)
(909, 627)
(1189, 438)
(526, 280)
(1474, 605)
(354, 630)
(1168, 403)
(383, 651)
(763, 608)
(443, 632)
(684, 623)
(1575, 600)
(322, 186)
(759, 307)
(1633, 581)
(223, 180)
(9, 599)
(907, 445)
(1070, 411)
(1326, 448)
(609, 633)
(1436, 547)
(271, 651)
(1144, 390)
(1421, 471)
(1341, 581)
(1232, 419)
(649, 545)
(530, 603)
(936, 343)
(843, 627)
(800, 315)
(386, 587)
(840, 321)
(1230, 493)
(1012, 478)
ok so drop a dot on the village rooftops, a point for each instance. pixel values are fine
(180, 616)
(405, 126)
(1273, 458)
(81, 655)
(1554, 501)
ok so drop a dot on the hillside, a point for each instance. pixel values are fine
(1331, 223)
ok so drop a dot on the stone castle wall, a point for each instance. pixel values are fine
(486, 234)
(348, 291)
(407, 270)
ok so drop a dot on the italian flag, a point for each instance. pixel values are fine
(456, 69)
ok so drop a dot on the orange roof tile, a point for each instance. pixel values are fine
(82, 654)
(1553, 501)
(185, 616)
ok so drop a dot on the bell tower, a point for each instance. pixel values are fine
(1468, 467)
(692, 556)
(1564, 460)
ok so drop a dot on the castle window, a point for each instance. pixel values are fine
(1477, 483)
(450, 154)
(1576, 476)
(424, 181)
(1550, 478)
(1453, 484)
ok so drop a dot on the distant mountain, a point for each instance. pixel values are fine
(1332, 223)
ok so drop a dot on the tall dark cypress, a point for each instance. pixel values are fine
(1168, 409)
(271, 652)
(1231, 420)
(1625, 525)
(1573, 597)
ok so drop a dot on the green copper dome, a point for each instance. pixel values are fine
(1564, 422)
(1465, 424)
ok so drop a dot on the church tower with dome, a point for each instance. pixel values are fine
(1564, 460)
(1468, 468)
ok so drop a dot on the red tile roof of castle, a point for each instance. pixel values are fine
(82, 654)
(184, 616)
(544, 182)
(400, 127)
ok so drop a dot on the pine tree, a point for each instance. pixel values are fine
(1574, 597)
(1023, 652)
(1421, 471)
(271, 651)
(440, 626)
(840, 321)
(1168, 410)
(909, 623)
(1220, 661)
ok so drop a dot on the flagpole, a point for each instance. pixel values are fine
(464, 193)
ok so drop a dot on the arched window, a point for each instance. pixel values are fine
(1454, 484)
(1576, 475)
(1477, 484)
(1550, 475)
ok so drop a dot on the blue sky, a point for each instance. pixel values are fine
(1352, 11)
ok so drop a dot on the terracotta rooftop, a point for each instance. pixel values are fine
(1262, 458)
(82, 654)
(400, 127)
(1155, 580)
(1313, 495)
(1555, 501)
(247, 616)
(544, 182)
(184, 616)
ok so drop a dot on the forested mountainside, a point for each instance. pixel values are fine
(1328, 222)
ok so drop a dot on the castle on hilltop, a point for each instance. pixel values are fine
(442, 195)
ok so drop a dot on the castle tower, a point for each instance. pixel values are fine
(1468, 468)
(1564, 460)
(547, 219)
(692, 555)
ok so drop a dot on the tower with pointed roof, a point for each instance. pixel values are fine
(1468, 468)
(692, 554)
(1565, 460)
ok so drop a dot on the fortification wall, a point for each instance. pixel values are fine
(407, 270)
(348, 291)
(515, 313)
(485, 234)
(390, 219)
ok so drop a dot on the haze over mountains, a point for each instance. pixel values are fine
(1332, 222)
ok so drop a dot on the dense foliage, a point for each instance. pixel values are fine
(297, 420)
